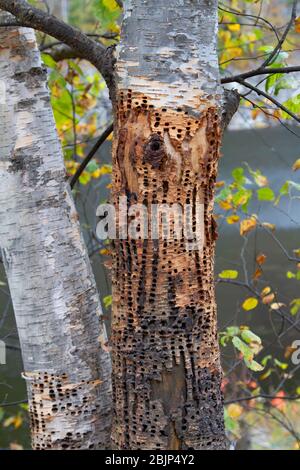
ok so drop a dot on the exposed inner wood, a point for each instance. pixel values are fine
(166, 368)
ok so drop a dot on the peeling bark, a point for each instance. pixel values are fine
(56, 304)
(166, 365)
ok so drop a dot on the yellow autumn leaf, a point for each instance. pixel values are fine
(269, 226)
(296, 165)
(96, 173)
(111, 5)
(228, 274)
(250, 303)
(247, 225)
(13, 420)
(103, 170)
(297, 24)
(233, 219)
(18, 422)
(265, 291)
(255, 112)
(234, 411)
(234, 27)
(225, 205)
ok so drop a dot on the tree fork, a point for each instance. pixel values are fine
(166, 365)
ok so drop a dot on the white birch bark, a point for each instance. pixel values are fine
(59, 8)
(56, 304)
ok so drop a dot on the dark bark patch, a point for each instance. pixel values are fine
(33, 77)
(154, 151)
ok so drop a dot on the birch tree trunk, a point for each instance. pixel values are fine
(59, 8)
(57, 308)
(166, 365)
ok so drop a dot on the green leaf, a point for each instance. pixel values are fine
(85, 178)
(238, 175)
(242, 198)
(266, 359)
(295, 306)
(231, 424)
(250, 337)
(49, 61)
(92, 166)
(265, 194)
(232, 330)
(243, 348)
(107, 301)
(253, 365)
(281, 365)
(272, 80)
(290, 275)
(293, 105)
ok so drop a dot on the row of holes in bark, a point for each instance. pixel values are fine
(163, 120)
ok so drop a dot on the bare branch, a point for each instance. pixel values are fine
(267, 397)
(260, 71)
(230, 106)
(90, 155)
(14, 403)
(63, 52)
(84, 46)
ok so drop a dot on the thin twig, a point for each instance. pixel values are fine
(90, 155)
(260, 71)
(267, 397)
(270, 98)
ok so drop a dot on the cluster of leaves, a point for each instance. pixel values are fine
(246, 40)
(251, 185)
(235, 201)
(13, 423)
(246, 342)
(75, 98)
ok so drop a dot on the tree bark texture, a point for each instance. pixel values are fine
(56, 304)
(166, 364)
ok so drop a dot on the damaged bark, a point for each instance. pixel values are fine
(166, 364)
(56, 304)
